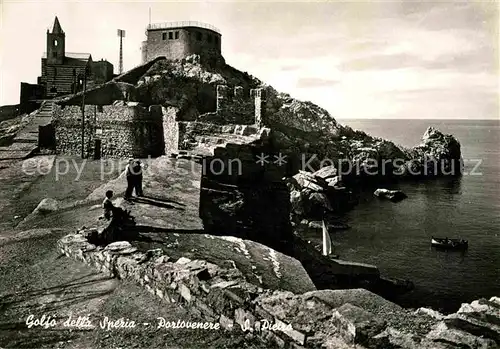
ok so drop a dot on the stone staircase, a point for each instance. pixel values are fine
(65, 81)
(26, 141)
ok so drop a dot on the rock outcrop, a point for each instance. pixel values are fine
(437, 155)
(47, 205)
(353, 318)
(316, 195)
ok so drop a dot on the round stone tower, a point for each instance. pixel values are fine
(177, 40)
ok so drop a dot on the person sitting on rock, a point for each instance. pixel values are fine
(107, 205)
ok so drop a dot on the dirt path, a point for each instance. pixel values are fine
(35, 279)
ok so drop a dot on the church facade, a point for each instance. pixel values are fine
(66, 72)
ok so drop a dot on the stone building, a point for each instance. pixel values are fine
(63, 72)
(177, 40)
(120, 130)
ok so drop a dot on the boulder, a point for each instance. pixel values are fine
(458, 338)
(326, 172)
(319, 201)
(393, 195)
(120, 247)
(335, 182)
(297, 202)
(480, 308)
(356, 325)
(391, 338)
(430, 313)
(362, 298)
(474, 324)
(47, 205)
(292, 184)
(307, 180)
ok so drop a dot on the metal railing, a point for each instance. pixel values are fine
(168, 25)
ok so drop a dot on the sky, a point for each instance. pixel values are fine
(378, 59)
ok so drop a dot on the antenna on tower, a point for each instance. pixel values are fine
(121, 34)
(150, 16)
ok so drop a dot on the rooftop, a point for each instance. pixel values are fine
(168, 25)
(74, 55)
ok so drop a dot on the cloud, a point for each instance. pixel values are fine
(305, 82)
(379, 61)
(291, 67)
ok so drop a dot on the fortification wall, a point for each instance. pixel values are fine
(235, 105)
(123, 130)
(68, 129)
(170, 130)
(178, 43)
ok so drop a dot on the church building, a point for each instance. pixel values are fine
(66, 72)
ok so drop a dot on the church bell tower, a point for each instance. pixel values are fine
(55, 44)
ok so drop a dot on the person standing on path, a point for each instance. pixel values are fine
(137, 169)
(134, 178)
(130, 179)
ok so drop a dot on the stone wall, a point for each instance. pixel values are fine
(318, 319)
(237, 106)
(181, 42)
(67, 124)
(190, 133)
(170, 130)
(122, 130)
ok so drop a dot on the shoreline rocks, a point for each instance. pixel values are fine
(393, 195)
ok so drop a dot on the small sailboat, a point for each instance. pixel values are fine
(327, 243)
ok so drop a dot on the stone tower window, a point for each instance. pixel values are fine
(170, 35)
(209, 38)
(198, 36)
(54, 54)
(176, 35)
(55, 42)
(164, 36)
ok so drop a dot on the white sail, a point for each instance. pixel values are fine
(327, 243)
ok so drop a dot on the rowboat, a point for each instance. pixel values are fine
(446, 243)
